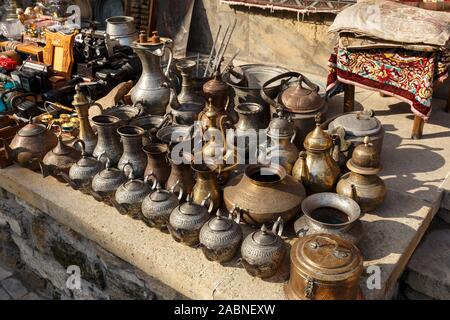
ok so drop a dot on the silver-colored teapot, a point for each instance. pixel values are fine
(106, 182)
(263, 251)
(158, 205)
(129, 196)
(187, 219)
(83, 171)
(220, 237)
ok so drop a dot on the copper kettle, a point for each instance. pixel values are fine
(60, 158)
(30, 144)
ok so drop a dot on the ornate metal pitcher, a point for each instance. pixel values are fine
(152, 89)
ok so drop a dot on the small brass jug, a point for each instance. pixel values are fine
(362, 182)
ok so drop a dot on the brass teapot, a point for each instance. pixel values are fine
(220, 237)
(187, 219)
(362, 182)
(30, 144)
(263, 251)
(316, 169)
(214, 151)
(158, 205)
(60, 158)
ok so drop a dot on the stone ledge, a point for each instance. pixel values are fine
(391, 235)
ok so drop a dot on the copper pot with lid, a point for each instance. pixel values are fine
(324, 267)
(300, 99)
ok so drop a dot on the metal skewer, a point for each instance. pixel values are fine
(220, 49)
(222, 52)
(231, 59)
(212, 50)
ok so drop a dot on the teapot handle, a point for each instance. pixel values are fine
(153, 178)
(131, 174)
(211, 203)
(235, 214)
(140, 106)
(169, 64)
(180, 193)
(278, 226)
(98, 105)
(263, 93)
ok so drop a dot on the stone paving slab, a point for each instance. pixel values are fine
(4, 273)
(429, 268)
(14, 288)
(4, 295)
(392, 234)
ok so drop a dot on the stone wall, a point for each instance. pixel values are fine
(41, 250)
(277, 38)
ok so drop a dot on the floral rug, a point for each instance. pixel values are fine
(408, 75)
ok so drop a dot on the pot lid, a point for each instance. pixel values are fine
(322, 255)
(220, 223)
(87, 161)
(32, 129)
(61, 149)
(215, 86)
(135, 185)
(365, 159)
(318, 140)
(111, 174)
(190, 208)
(264, 237)
(299, 99)
(160, 195)
(280, 127)
(360, 124)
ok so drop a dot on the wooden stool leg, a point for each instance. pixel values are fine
(447, 107)
(349, 98)
(417, 129)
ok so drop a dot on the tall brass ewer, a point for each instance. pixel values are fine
(82, 105)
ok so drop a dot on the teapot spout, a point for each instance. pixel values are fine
(7, 148)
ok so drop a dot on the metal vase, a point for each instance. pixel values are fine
(152, 89)
(108, 142)
(131, 137)
(157, 162)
